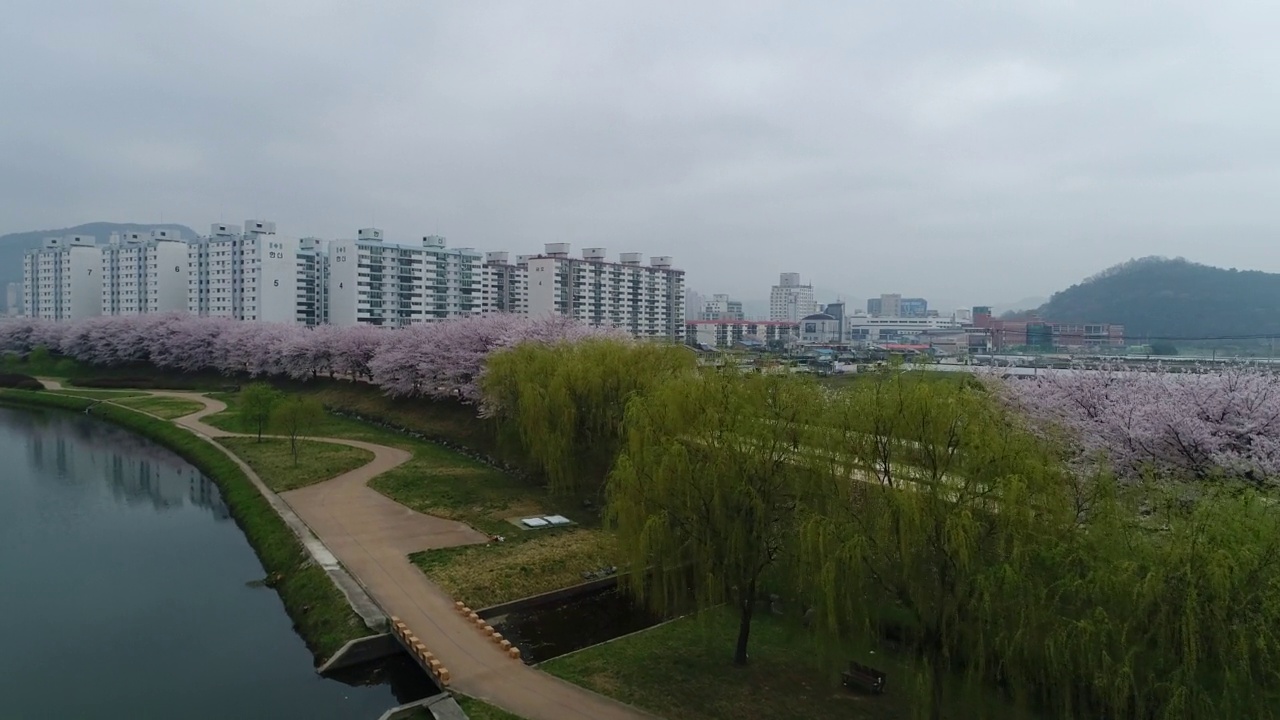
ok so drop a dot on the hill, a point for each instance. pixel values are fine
(1175, 299)
(13, 245)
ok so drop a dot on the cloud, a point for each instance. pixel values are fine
(974, 153)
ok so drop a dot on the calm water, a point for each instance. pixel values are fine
(125, 591)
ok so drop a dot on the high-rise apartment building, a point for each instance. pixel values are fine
(144, 273)
(721, 307)
(505, 285)
(644, 300)
(13, 299)
(789, 300)
(62, 279)
(255, 274)
(372, 282)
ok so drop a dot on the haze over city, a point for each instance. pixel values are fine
(967, 154)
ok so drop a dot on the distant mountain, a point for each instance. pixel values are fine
(1163, 298)
(13, 245)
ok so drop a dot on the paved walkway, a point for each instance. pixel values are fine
(372, 536)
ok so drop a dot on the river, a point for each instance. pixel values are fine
(127, 591)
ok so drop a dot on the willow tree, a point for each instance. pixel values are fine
(703, 496)
(562, 405)
(929, 500)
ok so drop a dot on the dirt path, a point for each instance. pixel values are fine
(372, 536)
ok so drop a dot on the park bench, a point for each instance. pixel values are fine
(859, 675)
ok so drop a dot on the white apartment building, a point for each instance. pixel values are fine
(372, 282)
(789, 300)
(647, 301)
(13, 299)
(255, 274)
(144, 273)
(62, 279)
(504, 284)
(721, 307)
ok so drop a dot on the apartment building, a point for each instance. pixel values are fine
(647, 301)
(256, 274)
(505, 284)
(722, 334)
(789, 300)
(373, 282)
(721, 307)
(144, 273)
(62, 279)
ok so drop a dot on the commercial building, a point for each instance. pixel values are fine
(505, 285)
(894, 305)
(256, 274)
(372, 282)
(723, 334)
(721, 307)
(1045, 335)
(144, 273)
(645, 300)
(789, 300)
(62, 279)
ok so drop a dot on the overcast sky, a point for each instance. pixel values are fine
(969, 152)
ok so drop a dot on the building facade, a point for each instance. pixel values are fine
(13, 299)
(644, 300)
(789, 300)
(894, 305)
(721, 307)
(256, 274)
(724, 334)
(504, 284)
(144, 273)
(62, 279)
(372, 282)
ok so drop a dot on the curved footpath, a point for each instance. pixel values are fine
(372, 537)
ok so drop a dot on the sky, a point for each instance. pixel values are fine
(971, 153)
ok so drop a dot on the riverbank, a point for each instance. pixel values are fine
(318, 609)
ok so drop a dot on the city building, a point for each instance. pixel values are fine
(724, 334)
(504, 284)
(13, 299)
(693, 302)
(789, 300)
(144, 273)
(62, 279)
(372, 282)
(721, 307)
(256, 274)
(894, 305)
(645, 300)
(1045, 335)
(860, 328)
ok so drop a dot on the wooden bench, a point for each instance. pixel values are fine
(867, 678)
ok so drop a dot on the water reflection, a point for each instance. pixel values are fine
(139, 473)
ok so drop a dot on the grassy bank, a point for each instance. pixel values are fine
(682, 670)
(165, 407)
(319, 611)
(478, 710)
(317, 461)
(528, 563)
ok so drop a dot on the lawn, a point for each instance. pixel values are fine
(317, 461)
(164, 407)
(682, 670)
(100, 394)
(529, 563)
(477, 710)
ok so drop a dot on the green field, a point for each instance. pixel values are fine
(164, 407)
(317, 461)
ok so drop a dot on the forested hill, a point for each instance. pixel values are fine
(13, 245)
(1163, 298)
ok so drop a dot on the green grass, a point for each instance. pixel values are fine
(528, 563)
(682, 670)
(317, 461)
(478, 710)
(100, 394)
(319, 611)
(165, 407)
(437, 481)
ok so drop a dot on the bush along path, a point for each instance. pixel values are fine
(370, 536)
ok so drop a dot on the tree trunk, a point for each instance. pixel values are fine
(747, 606)
(937, 678)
